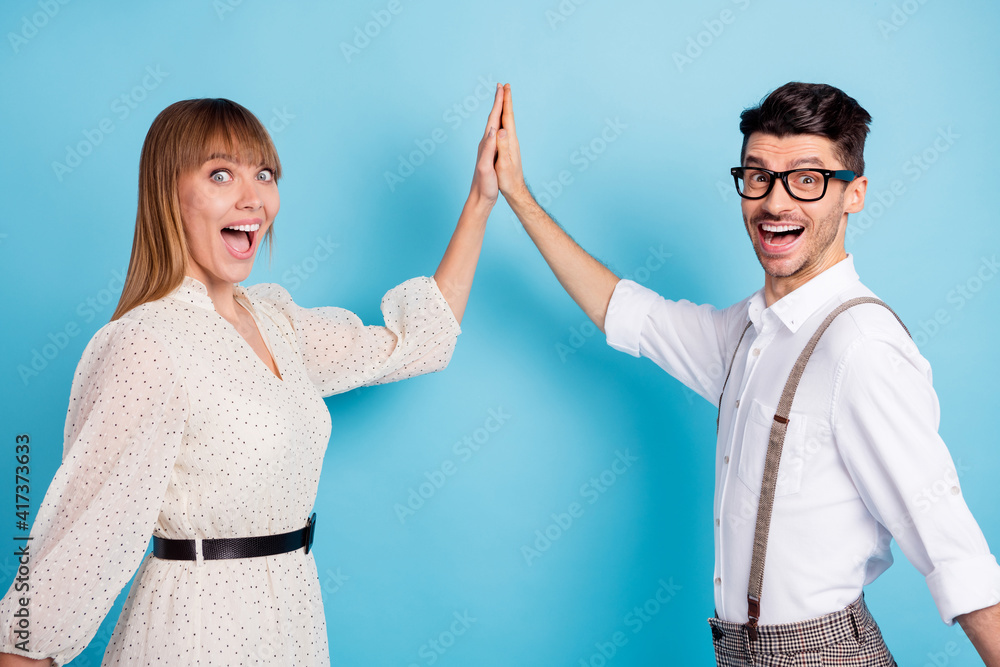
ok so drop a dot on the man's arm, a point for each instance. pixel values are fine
(983, 628)
(885, 422)
(589, 282)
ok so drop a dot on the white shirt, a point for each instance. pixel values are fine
(176, 427)
(862, 462)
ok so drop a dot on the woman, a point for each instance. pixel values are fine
(197, 414)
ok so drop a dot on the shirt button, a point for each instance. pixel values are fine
(756, 352)
(726, 459)
(718, 522)
(737, 402)
(718, 581)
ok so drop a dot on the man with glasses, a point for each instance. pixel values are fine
(827, 430)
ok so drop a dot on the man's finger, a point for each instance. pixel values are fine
(503, 143)
(507, 120)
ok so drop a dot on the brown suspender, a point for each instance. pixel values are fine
(774, 446)
(728, 373)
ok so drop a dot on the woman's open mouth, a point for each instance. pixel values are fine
(239, 239)
(776, 239)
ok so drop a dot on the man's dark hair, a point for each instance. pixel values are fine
(812, 108)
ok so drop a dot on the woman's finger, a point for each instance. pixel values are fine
(494, 119)
(488, 152)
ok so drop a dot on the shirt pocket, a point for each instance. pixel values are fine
(756, 435)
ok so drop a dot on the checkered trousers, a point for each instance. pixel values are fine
(846, 637)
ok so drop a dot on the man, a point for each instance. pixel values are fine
(852, 455)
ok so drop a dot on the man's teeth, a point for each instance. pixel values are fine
(244, 228)
(780, 228)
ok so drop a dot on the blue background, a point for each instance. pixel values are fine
(673, 77)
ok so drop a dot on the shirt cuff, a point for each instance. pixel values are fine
(959, 587)
(450, 314)
(627, 312)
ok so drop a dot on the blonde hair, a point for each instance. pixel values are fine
(181, 138)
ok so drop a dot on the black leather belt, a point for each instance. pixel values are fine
(237, 547)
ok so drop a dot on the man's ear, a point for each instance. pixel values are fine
(854, 198)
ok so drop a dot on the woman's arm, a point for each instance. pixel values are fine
(11, 660)
(127, 412)
(458, 266)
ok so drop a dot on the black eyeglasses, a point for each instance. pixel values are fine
(800, 184)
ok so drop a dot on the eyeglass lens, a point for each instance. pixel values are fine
(803, 184)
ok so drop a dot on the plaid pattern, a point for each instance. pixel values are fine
(846, 637)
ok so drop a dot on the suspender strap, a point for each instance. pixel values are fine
(728, 373)
(775, 443)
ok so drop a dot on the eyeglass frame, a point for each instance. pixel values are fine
(840, 174)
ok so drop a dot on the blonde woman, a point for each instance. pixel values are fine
(197, 416)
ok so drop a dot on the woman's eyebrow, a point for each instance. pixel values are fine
(233, 160)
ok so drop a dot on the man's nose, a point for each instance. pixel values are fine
(778, 199)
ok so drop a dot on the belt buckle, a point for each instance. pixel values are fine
(310, 532)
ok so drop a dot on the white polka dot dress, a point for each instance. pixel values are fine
(177, 428)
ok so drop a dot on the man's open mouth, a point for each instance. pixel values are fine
(776, 237)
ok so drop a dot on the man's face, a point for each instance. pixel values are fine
(793, 239)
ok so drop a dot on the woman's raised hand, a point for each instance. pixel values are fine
(458, 266)
(484, 181)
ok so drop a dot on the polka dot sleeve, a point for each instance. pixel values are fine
(123, 432)
(341, 353)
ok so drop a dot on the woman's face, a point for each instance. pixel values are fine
(226, 207)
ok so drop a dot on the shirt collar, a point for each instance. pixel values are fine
(193, 291)
(799, 305)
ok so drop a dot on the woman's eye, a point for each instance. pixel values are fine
(265, 175)
(221, 176)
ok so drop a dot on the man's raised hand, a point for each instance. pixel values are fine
(508, 163)
(588, 281)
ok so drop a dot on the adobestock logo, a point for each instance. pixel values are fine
(592, 490)
(635, 621)
(363, 35)
(41, 356)
(900, 16)
(435, 647)
(31, 25)
(562, 11)
(879, 201)
(580, 334)
(698, 43)
(122, 107)
(435, 479)
(454, 116)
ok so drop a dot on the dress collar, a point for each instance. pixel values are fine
(799, 305)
